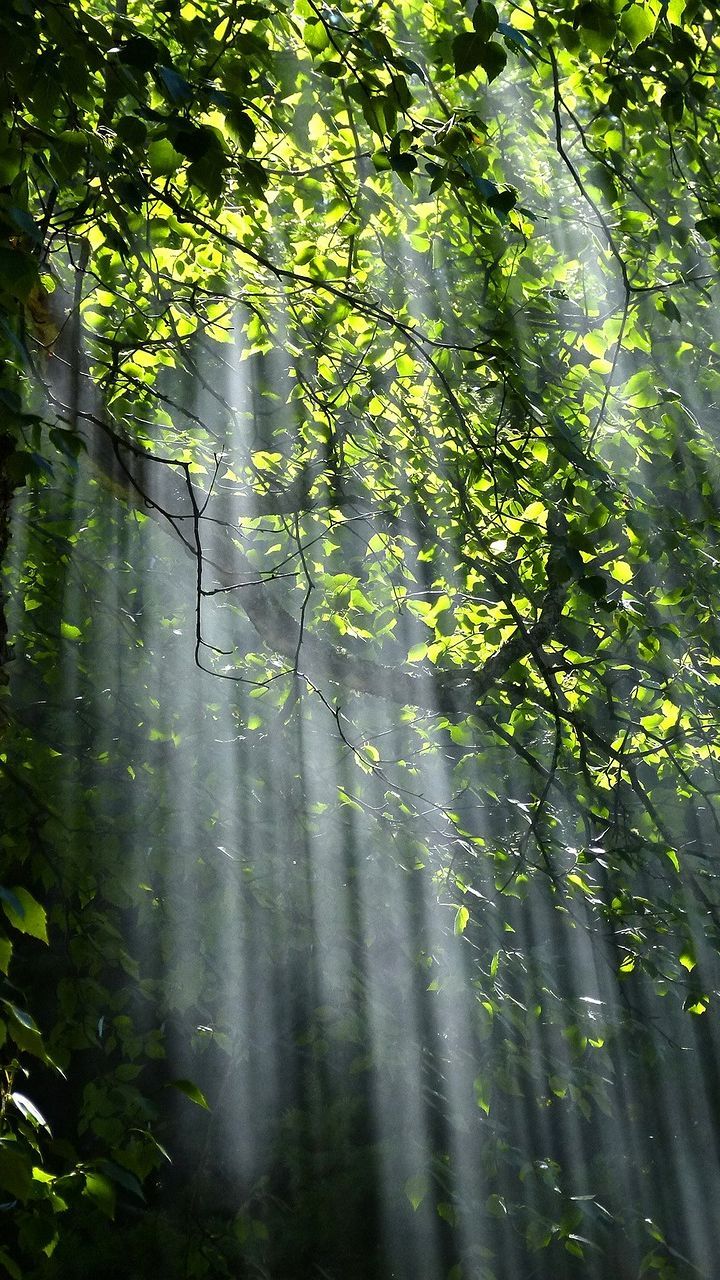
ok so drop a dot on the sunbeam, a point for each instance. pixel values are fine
(359, 514)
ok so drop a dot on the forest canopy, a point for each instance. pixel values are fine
(359, 639)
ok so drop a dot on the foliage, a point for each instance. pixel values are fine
(401, 320)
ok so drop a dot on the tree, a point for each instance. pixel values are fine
(401, 323)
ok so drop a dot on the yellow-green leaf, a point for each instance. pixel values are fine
(638, 22)
(462, 915)
(31, 918)
(416, 1190)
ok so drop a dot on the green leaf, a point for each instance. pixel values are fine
(191, 1091)
(482, 1094)
(21, 1016)
(447, 1212)
(100, 1189)
(10, 1266)
(595, 585)
(316, 37)
(673, 597)
(131, 130)
(15, 1172)
(18, 273)
(416, 1189)
(28, 1109)
(207, 172)
(254, 177)
(485, 19)
(241, 125)
(7, 895)
(164, 160)
(687, 958)
(471, 51)
(24, 1031)
(709, 228)
(31, 918)
(122, 1177)
(69, 632)
(139, 51)
(672, 106)
(638, 22)
(462, 915)
(173, 85)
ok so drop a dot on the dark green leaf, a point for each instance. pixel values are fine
(471, 51)
(485, 19)
(191, 1091)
